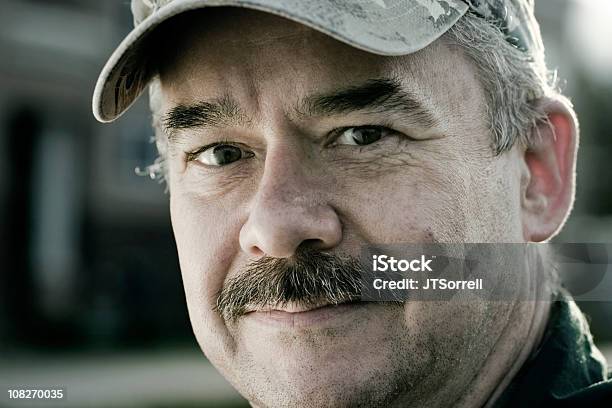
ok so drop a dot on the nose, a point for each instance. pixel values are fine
(289, 210)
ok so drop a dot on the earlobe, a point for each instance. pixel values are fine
(550, 162)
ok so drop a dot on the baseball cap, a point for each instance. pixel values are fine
(384, 27)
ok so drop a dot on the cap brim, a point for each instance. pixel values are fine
(400, 28)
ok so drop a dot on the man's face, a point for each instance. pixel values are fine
(283, 139)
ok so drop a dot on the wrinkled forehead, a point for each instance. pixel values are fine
(213, 50)
(235, 37)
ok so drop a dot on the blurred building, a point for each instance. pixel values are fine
(86, 246)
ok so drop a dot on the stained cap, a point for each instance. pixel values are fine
(385, 27)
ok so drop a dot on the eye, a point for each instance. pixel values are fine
(219, 155)
(361, 135)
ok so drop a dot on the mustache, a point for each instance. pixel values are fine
(309, 278)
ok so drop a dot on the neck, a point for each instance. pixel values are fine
(534, 339)
(508, 356)
(516, 344)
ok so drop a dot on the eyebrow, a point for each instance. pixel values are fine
(219, 112)
(374, 96)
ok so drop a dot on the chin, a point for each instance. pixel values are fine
(318, 386)
(326, 366)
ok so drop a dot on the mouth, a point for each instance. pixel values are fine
(294, 315)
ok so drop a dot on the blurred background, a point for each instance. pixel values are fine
(90, 288)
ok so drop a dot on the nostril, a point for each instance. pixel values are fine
(255, 251)
(313, 244)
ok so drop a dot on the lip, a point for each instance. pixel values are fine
(296, 316)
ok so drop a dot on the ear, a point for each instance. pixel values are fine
(548, 182)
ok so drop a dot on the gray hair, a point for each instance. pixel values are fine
(514, 83)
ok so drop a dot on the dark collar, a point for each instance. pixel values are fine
(567, 370)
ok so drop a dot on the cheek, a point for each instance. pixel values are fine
(206, 238)
(421, 203)
(505, 191)
(446, 200)
(491, 200)
(206, 235)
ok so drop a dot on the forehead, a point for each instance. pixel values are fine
(220, 51)
(252, 42)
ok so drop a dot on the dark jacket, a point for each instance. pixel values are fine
(566, 371)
